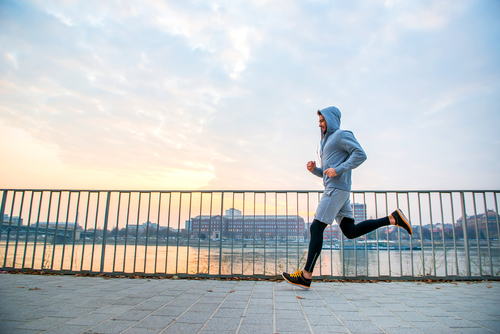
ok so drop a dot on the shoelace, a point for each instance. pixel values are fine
(298, 273)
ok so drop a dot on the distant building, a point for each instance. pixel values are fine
(486, 225)
(332, 232)
(143, 227)
(234, 225)
(359, 212)
(13, 221)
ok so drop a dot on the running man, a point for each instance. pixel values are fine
(340, 153)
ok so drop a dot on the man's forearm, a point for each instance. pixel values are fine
(318, 172)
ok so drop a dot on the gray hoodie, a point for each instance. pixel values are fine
(339, 149)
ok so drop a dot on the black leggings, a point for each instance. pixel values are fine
(349, 229)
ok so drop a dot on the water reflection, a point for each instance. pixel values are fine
(247, 259)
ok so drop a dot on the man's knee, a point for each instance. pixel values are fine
(348, 228)
(317, 227)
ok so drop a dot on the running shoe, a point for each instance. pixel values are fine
(402, 221)
(297, 279)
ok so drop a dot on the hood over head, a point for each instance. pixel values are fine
(332, 118)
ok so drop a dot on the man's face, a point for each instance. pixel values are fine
(322, 123)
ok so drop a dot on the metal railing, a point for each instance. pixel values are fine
(246, 233)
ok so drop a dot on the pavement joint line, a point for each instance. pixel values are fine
(246, 308)
(215, 311)
(359, 312)
(331, 311)
(41, 307)
(116, 315)
(302, 309)
(437, 318)
(391, 312)
(180, 315)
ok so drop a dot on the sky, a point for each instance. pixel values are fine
(222, 95)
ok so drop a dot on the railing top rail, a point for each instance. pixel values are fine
(243, 191)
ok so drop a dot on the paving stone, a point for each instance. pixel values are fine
(132, 315)
(228, 313)
(139, 330)
(362, 327)
(456, 323)
(261, 302)
(194, 317)
(204, 307)
(112, 326)
(374, 311)
(68, 329)
(328, 329)
(31, 315)
(492, 325)
(388, 322)
(130, 301)
(414, 303)
(182, 328)
(383, 300)
(326, 320)
(233, 305)
(291, 325)
(155, 322)
(491, 311)
(213, 300)
(170, 311)
(397, 307)
(92, 319)
(23, 331)
(350, 316)
(340, 306)
(288, 306)
(215, 324)
(258, 319)
(72, 312)
(290, 299)
(285, 314)
(431, 327)
(471, 315)
(253, 329)
(411, 316)
(181, 303)
(113, 309)
(398, 330)
(474, 331)
(450, 307)
(433, 312)
(43, 323)
(317, 310)
(153, 303)
(6, 325)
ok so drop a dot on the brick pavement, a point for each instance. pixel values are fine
(68, 304)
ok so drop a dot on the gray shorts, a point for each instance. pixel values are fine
(334, 204)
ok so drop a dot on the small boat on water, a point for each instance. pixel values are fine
(370, 245)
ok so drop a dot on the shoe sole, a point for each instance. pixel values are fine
(296, 284)
(405, 220)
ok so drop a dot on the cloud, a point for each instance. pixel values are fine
(223, 95)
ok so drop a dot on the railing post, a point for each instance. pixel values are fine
(104, 231)
(2, 210)
(220, 231)
(464, 229)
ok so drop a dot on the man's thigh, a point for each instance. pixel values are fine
(331, 204)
